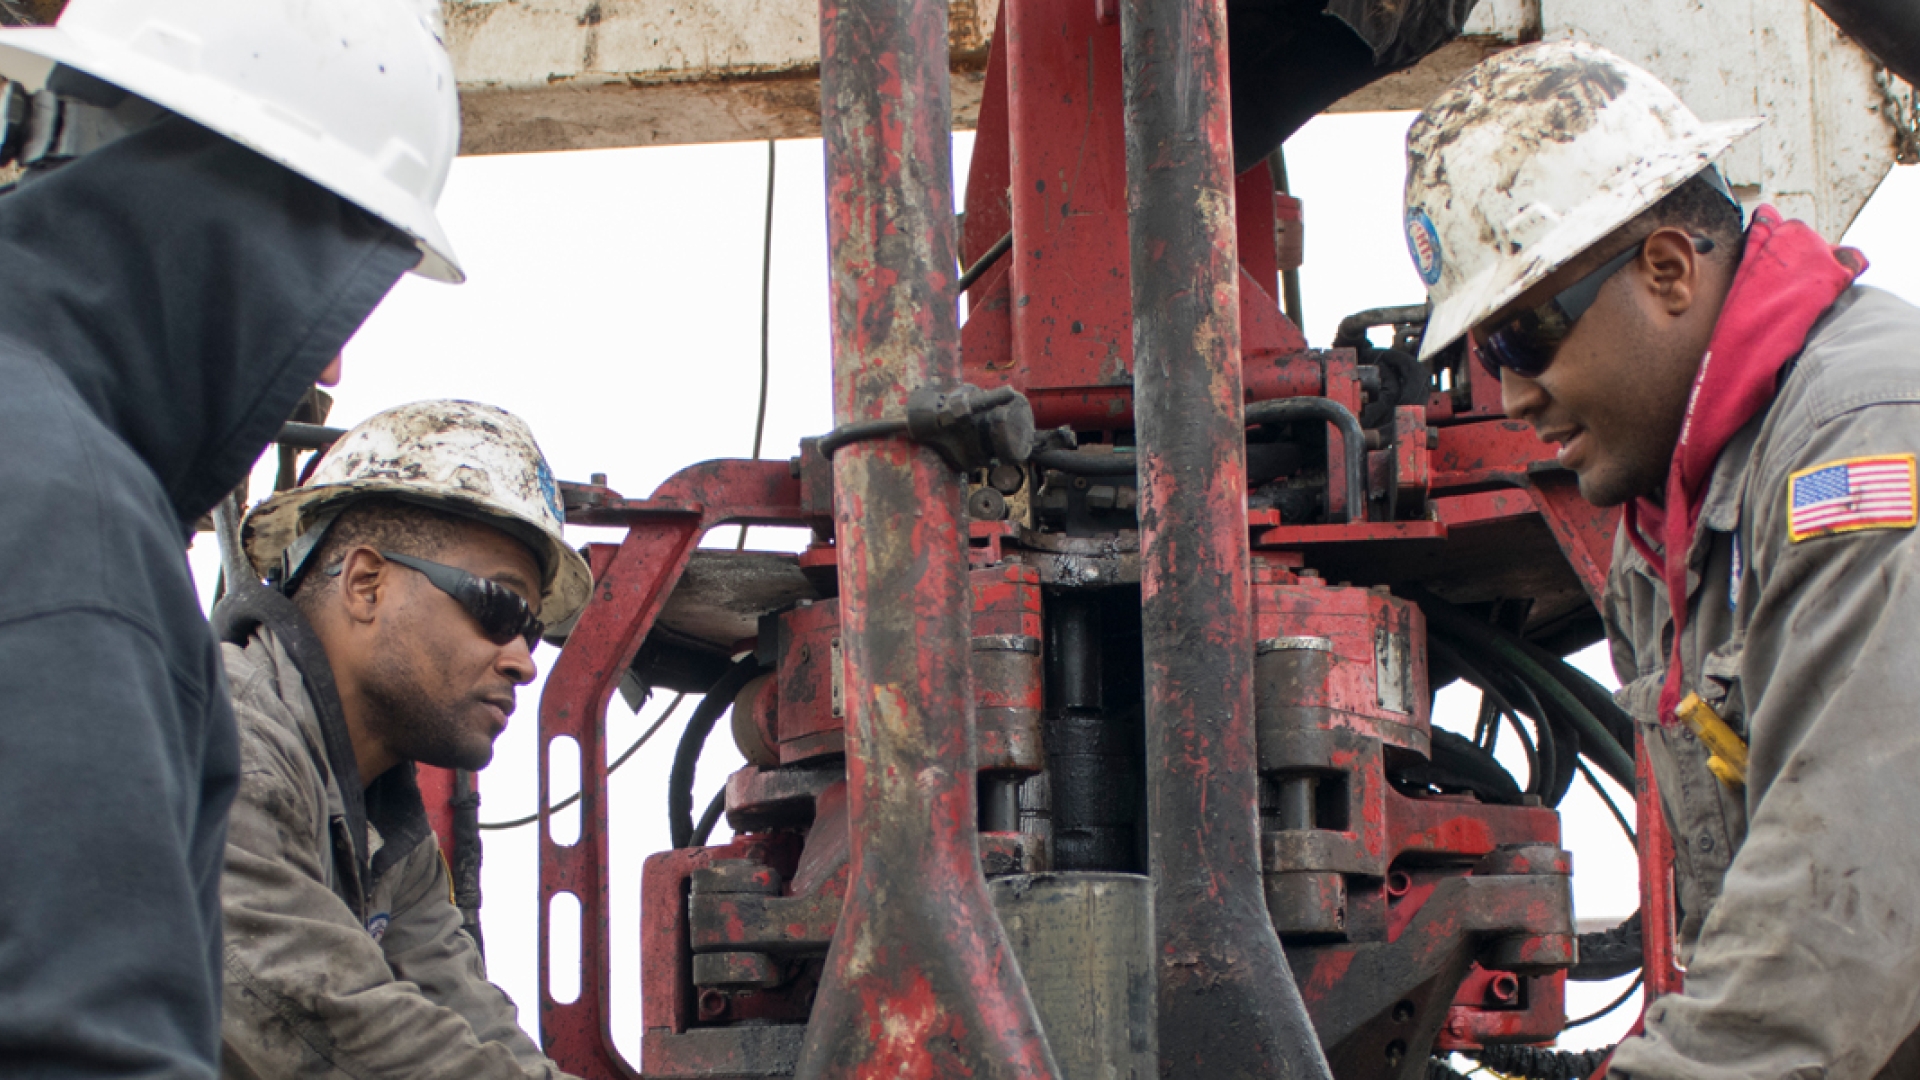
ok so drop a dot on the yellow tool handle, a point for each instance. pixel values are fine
(1729, 750)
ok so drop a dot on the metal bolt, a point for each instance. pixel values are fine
(1503, 988)
(1101, 497)
(986, 504)
(713, 1004)
(1007, 479)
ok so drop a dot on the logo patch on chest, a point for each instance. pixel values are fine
(377, 925)
(1850, 495)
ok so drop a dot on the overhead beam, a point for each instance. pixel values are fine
(591, 74)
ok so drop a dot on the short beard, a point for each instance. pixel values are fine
(413, 725)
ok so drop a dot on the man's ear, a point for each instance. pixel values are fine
(1671, 268)
(366, 579)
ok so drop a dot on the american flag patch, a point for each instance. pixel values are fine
(1857, 493)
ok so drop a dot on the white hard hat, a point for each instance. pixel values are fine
(1531, 158)
(458, 456)
(356, 95)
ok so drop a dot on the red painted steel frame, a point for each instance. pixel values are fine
(919, 980)
(628, 593)
(1228, 1005)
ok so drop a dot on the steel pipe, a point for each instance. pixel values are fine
(919, 980)
(1228, 1004)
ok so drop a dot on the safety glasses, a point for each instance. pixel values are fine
(500, 611)
(1526, 342)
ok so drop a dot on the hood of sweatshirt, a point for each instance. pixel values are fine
(192, 290)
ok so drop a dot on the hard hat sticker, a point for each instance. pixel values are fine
(1423, 243)
(549, 490)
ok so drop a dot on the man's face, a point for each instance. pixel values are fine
(441, 691)
(1615, 395)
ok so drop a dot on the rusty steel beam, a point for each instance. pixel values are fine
(920, 980)
(1228, 1004)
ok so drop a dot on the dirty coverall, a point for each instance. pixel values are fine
(164, 302)
(345, 955)
(1800, 928)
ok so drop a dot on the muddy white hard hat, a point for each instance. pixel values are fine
(356, 95)
(456, 456)
(1529, 159)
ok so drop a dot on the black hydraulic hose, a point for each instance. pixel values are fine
(1353, 441)
(1539, 1063)
(1459, 755)
(1595, 697)
(1536, 776)
(709, 818)
(693, 740)
(1595, 740)
(1606, 955)
(852, 433)
(1555, 736)
(1353, 329)
(1090, 462)
(985, 262)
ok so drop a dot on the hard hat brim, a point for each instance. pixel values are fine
(1654, 177)
(272, 526)
(28, 56)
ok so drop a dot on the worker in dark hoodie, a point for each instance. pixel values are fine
(243, 181)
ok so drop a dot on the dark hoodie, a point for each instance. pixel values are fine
(164, 302)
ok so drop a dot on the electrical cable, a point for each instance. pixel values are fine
(611, 769)
(766, 292)
(694, 739)
(985, 262)
(1609, 1007)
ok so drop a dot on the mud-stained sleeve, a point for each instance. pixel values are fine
(426, 946)
(1809, 964)
(308, 991)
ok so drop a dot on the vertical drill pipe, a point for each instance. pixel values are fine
(1228, 1004)
(920, 980)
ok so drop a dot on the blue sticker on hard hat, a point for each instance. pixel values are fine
(1423, 243)
(548, 489)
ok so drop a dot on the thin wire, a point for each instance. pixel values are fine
(1616, 1003)
(617, 762)
(766, 292)
(1594, 782)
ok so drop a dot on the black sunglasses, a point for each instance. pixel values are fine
(500, 611)
(1525, 343)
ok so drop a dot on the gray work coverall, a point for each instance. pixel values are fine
(312, 989)
(1801, 894)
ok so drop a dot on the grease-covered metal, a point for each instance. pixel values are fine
(1228, 1004)
(919, 982)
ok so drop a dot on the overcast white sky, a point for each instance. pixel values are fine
(613, 302)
